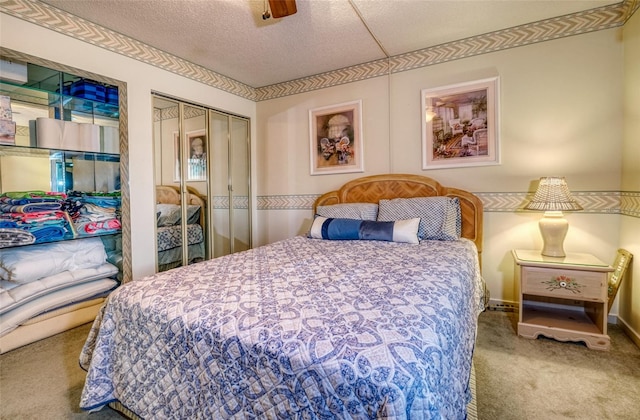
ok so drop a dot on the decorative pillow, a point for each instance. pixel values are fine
(361, 211)
(439, 216)
(171, 214)
(352, 229)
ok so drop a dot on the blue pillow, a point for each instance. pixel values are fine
(354, 229)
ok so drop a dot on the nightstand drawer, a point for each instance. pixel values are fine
(566, 284)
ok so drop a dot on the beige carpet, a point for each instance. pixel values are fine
(516, 378)
(523, 379)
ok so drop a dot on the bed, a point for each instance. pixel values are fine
(169, 230)
(381, 325)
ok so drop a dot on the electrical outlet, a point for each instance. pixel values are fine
(504, 307)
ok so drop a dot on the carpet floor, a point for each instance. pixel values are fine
(516, 378)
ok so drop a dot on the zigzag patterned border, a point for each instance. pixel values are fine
(287, 202)
(578, 23)
(601, 202)
(630, 203)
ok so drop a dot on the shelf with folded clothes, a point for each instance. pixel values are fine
(34, 217)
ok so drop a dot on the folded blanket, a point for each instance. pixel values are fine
(50, 233)
(22, 201)
(34, 193)
(13, 295)
(13, 237)
(94, 228)
(27, 264)
(31, 207)
(102, 201)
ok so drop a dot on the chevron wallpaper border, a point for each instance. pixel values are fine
(287, 202)
(574, 24)
(600, 202)
(630, 203)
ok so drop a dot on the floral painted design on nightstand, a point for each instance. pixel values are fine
(563, 282)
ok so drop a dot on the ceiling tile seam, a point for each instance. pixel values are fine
(33, 12)
(364, 22)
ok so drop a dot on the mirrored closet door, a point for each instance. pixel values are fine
(202, 171)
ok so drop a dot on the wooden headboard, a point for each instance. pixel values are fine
(170, 194)
(371, 189)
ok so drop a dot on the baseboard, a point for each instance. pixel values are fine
(631, 333)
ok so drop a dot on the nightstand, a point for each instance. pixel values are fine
(564, 298)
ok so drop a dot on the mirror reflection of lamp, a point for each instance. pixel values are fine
(430, 114)
(553, 197)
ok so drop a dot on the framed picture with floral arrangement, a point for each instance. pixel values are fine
(335, 139)
(460, 125)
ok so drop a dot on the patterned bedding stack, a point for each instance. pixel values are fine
(28, 217)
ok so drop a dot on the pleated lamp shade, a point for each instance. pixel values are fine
(553, 197)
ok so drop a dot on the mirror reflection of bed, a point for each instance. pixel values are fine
(169, 226)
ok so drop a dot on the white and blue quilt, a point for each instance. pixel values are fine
(301, 328)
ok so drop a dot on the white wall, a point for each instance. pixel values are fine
(141, 80)
(560, 114)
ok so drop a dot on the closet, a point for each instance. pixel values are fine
(202, 177)
(63, 199)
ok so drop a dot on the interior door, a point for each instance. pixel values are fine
(219, 186)
(240, 190)
(204, 155)
(181, 161)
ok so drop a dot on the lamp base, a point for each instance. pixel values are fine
(553, 227)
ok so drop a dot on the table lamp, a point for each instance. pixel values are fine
(553, 197)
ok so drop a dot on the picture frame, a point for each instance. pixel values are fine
(460, 125)
(197, 161)
(196, 146)
(335, 139)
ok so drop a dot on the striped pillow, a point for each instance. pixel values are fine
(353, 229)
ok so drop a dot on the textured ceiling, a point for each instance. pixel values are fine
(230, 37)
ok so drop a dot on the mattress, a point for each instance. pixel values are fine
(302, 327)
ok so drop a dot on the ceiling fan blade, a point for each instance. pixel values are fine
(282, 8)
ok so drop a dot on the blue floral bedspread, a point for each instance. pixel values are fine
(301, 328)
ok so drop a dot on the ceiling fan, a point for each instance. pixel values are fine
(279, 8)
